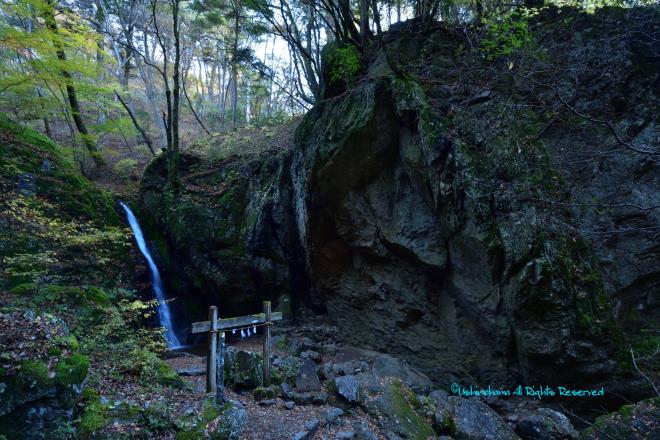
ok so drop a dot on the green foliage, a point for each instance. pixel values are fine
(63, 233)
(126, 168)
(152, 369)
(44, 243)
(345, 63)
(143, 150)
(33, 32)
(506, 33)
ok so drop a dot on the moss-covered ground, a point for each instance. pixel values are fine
(74, 329)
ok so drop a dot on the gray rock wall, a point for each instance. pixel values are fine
(470, 220)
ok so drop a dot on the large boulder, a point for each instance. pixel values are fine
(41, 377)
(471, 419)
(307, 378)
(395, 407)
(428, 212)
(231, 423)
(543, 424)
(388, 366)
(347, 387)
(631, 422)
(242, 369)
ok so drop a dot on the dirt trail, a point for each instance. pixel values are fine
(274, 419)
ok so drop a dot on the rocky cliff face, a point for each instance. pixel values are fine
(491, 217)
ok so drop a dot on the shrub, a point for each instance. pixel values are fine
(126, 168)
(506, 33)
(345, 63)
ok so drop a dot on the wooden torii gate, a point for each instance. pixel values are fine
(214, 364)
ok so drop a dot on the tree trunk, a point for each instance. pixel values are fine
(364, 21)
(147, 78)
(51, 24)
(173, 168)
(137, 125)
(234, 72)
(374, 8)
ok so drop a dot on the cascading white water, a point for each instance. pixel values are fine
(156, 282)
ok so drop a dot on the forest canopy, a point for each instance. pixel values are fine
(136, 70)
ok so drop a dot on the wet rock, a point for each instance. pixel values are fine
(543, 424)
(307, 378)
(289, 405)
(347, 387)
(345, 435)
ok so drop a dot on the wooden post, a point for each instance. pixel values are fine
(266, 364)
(212, 360)
(220, 394)
(215, 367)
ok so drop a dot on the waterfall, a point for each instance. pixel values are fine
(156, 282)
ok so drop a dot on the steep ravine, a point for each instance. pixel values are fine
(465, 213)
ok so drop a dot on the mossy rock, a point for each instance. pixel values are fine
(34, 386)
(243, 369)
(158, 417)
(287, 369)
(72, 371)
(29, 383)
(231, 424)
(397, 409)
(94, 415)
(262, 393)
(631, 422)
(24, 151)
(193, 426)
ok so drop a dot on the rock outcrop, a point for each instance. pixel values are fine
(477, 214)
